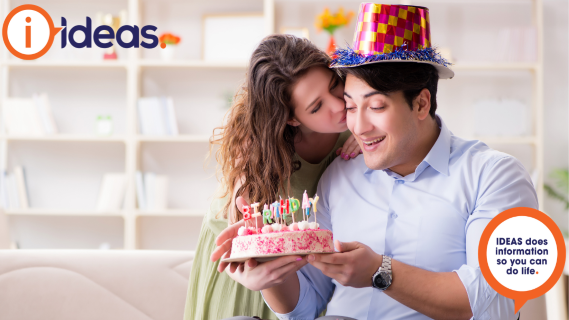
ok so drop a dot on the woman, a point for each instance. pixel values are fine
(286, 126)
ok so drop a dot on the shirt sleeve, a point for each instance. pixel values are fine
(504, 185)
(316, 289)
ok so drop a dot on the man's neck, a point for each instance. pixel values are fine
(421, 149)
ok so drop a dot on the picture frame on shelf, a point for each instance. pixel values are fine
(296, 31)
(231, 37)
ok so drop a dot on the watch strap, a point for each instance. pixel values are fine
(386, 265)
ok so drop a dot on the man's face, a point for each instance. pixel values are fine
(384, 125)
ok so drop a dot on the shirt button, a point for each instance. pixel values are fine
(400, 181)
(393, 215)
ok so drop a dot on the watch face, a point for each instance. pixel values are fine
(379, 282)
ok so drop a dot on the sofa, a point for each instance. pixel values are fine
(93, 284)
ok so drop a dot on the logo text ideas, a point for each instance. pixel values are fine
(28, 33)
(106, 33)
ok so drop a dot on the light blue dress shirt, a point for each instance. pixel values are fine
(431, 219)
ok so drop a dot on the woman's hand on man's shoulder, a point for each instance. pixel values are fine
(350, 149)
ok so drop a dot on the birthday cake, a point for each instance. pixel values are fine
(276, 238)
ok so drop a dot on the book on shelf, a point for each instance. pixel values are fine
(151, 191)
(29, 116)
(14, 189)
(157, 117)
(112, 192)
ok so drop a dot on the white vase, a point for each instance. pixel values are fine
(168, 52)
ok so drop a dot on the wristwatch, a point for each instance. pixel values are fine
(382, 278)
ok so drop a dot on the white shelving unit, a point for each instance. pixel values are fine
(135, 74)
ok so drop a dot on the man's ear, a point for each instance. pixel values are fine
(293, 122)
(423, 103)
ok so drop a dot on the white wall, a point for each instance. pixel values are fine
(556, 64)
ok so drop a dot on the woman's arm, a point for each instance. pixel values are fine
(277, 279)
(283, 298)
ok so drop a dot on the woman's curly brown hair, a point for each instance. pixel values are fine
(256, 144)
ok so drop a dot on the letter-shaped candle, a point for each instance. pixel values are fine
(273, 210)
(277, 207)
(267, 215)
(284, 208)
(314, 202)
(256, 214)
(255, 206)
(294, 206)
(246, 214)
(305, 204)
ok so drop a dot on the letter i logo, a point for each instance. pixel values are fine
(28, 33)
(17, 32)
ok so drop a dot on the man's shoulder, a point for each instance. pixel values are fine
(345, 168)
(477, 155)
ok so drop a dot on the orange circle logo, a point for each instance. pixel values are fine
(522, 254)
(28, 32)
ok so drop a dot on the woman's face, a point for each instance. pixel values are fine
(318, 101)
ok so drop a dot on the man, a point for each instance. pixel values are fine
(407, 218)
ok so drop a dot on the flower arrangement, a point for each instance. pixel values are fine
(168, 43)
(169, 38)
(330, 22)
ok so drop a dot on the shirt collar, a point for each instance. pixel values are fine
(438, 157)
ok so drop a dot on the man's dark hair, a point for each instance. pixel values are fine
(410, 77)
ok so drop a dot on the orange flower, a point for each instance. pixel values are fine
(169, 38)
(331, 22)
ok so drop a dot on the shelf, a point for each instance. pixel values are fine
(171, 213)
(191, 64)
(95, 213)
(66, 64)
(507, 140)
(178, 138)
(494, 66)
(63, 212)
(66, 137)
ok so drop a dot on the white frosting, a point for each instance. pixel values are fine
(303, 225)
(267, 229)
(276, 226)
(241, 231)
(313, 225)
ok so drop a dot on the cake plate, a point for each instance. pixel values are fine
(269, 257)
